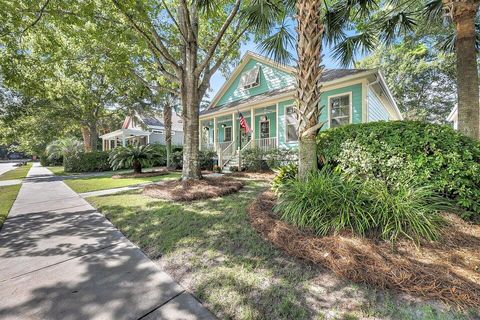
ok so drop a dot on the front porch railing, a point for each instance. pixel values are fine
(227, 150)
(266, 144)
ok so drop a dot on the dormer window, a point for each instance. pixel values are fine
(250, 78)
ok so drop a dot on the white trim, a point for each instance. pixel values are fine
(277, 122)
(286, 124)
(231, 133)
(389, 95)
(350, 94)
(452, 114)
(124, 132)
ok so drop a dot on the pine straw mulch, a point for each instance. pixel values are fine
(208, 187)
(446, 270)
(148, 174)
(264, 175)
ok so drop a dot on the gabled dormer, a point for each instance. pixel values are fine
(254, 75)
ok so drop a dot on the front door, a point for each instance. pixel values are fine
(265, 129)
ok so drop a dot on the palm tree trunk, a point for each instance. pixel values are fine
(167, 119)
(309, 72)
(463, 13)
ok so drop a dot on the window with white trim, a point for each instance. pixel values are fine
(290, 124)
(339, 110)
(228, 134)
(250, 79)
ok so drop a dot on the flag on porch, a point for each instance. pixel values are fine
(243, 123)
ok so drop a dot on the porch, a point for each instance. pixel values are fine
(224, 135)
(124, 137)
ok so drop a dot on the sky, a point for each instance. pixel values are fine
(218, 80)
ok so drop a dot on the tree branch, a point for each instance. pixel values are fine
(40, 14)
(218, 38)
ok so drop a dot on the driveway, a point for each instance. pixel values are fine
(61, 259)
(6, 166)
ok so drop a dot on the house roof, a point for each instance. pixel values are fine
(156, 121)
(327, 76)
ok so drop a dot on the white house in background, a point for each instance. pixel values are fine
(453, 117)
(143, 130)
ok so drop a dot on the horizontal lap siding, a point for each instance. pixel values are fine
(376, 109)
(270, 79)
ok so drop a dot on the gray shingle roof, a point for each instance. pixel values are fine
(328, 75)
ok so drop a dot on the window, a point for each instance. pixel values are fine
(228, 134)
(339, 110)
(265, 129)
(250, 78)
(290, 124)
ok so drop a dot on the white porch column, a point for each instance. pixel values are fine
(116, 142)
(252, 121)
(234, 131)
(215, 133)
(123, 140)
(277, 125)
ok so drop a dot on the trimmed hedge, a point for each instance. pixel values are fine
(87, 162)
(410, 152)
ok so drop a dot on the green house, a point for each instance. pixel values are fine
(262, 92)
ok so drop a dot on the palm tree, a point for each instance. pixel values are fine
(169, 102)
(64, 147)
(133, 156)
(462, 14)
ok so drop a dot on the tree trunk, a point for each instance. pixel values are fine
(309, 72)
(463, 14)
(191, 106)
(93, 137)
(167, 119)
(87, 142)
(137, 166)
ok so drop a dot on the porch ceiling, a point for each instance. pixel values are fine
(125, 133)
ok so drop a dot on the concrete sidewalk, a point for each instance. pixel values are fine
(61, 259)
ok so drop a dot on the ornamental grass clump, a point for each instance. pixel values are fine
(328, 202)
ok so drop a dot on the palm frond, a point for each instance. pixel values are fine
(278, 44)
(346, 49)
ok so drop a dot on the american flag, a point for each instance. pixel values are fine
(243, 123)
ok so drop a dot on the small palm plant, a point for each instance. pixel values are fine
(65, 147)
(133, 156)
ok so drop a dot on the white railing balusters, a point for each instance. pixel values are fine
(266, 144)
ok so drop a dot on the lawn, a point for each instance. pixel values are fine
(8, 194)
(17, 173)
(94, 183)
(211, 249)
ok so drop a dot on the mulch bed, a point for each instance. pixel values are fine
(265, 175)
(194, 190)
(446, 270)
(155, 173)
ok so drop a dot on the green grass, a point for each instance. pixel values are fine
(8, 194)
(17, 173)
(58, 171)
(210, 248)
(96, 183)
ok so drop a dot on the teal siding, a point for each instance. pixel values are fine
(356, 91)
(376, 109)
(270, 79)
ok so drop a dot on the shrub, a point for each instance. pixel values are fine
(329, 202)
(160, 158)
(278, 157)
(87, 162)
(207, 159)
(408, 152)
(53, 161)
(284, 175)
(133, 156)
(62, 148)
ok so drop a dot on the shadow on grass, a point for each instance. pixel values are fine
(210, 247)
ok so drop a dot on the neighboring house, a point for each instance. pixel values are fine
(143, 130)
(453, 117)
(264, 91)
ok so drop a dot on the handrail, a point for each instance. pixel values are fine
(226, 154)
(247, 145)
